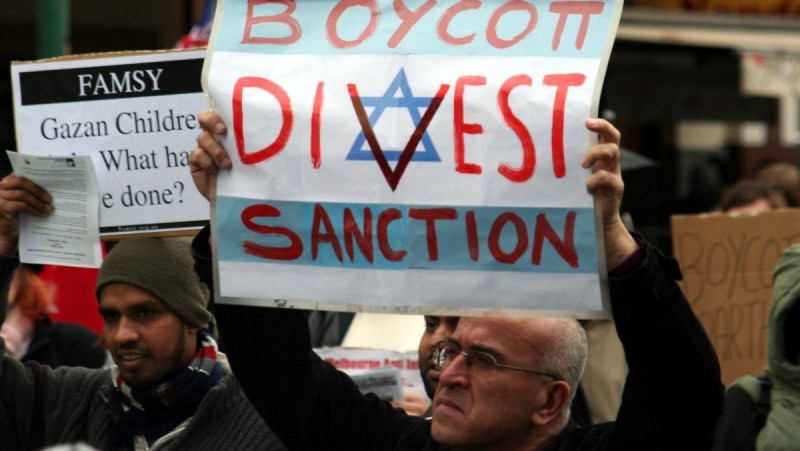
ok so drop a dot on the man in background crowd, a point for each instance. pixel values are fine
(437, 329)
(170, 387)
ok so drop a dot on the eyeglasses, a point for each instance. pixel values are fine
(445, 352)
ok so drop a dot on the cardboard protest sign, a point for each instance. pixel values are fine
(135, 114)
(727, 264)
(408, 156)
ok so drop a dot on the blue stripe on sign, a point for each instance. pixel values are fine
(310, 35)
(400, 237)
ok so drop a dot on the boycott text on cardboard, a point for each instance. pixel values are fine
(409, 156)
(727, 263)
(135, 114)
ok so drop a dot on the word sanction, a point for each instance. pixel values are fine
(400, 236)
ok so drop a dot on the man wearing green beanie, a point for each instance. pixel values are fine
(170, 387)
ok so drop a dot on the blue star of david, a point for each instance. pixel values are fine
(390, 100)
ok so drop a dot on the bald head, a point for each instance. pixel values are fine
(557, 345)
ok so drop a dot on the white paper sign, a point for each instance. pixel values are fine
(68, 236)
(409, 156)
(362, 364)
(135, 115)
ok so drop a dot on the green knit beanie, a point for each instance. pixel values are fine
(163, 267)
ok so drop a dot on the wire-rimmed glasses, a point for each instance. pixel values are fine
(445, 352)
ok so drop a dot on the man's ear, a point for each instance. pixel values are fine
(192, 329)
(557, 399)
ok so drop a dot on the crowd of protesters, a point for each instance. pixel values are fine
(160, 380)
(155, 378)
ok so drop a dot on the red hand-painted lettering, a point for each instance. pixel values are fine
(384, 219)
(321, 219)
(565, 248)
(525, 171)
(363, 238)
(442, 28)
(494, 238)
(562, 82)
(515, 5)
(565, 9)
(316, 123)
(408, 19)
(472, 236)
(282, 97)
(460, 128)
(284, 17)
(430, 216)
(291, 252)
(336, 13)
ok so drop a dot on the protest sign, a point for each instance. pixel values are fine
(409, 156)
(135, 114)
(389, 374)
(68, 235)
(727, 264)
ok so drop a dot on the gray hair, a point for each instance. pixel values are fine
(565, 354)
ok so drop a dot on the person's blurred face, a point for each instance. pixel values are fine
(437, 328)
(148, 342)
(494, 411)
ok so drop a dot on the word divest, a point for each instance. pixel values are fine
(409, 156)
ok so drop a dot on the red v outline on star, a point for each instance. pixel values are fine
(393, 176)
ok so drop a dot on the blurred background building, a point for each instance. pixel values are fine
(708, 89)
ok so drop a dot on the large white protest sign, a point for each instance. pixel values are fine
(135, 114)
(409, 156)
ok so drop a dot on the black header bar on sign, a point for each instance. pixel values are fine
(111, 82)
